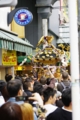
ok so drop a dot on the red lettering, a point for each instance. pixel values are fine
(14, 59)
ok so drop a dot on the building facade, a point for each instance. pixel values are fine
(10, 44)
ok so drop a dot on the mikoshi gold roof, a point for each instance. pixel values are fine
(47, 56)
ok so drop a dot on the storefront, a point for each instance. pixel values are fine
(10, 44)
(22, 70)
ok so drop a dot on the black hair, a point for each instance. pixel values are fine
(38, 88)
(66, 97)
(59, 103)
(47, 93)
(19, 78)
(13, 87)
(8, 77)
(2, 84)
(36, 83)
(27, 83)
(48, 80)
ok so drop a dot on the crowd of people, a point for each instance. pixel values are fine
(30, 98)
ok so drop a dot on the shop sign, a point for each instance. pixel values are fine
(18, 68)
(9, 58)
(23, 17)
(23, 68)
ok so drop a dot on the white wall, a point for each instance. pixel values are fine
(2, 73)
(54, 18)
(3, 17)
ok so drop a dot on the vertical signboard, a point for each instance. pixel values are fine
(9, 58)
(64, 11)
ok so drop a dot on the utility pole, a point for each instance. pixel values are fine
(74, 59)
(78, 5)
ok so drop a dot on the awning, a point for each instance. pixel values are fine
(11, 41)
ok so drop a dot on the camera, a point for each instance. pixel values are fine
(22, 98)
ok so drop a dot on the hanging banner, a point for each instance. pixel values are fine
(65, 12)
(9, 58)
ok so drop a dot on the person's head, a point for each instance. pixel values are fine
(38, 88)
(59, 102)
(66, 97)
(42, 80)
(48, 80)
(65, 75)
(36, 83)
(2, 84)
(52, 82)
(28, 84)
(15, 88)
(3, 89)
(8, 77)
(19, 78)
(10, 111)
(49, 95)
(27, 111)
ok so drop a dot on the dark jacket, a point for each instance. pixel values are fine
(28, 92)
(60, 114)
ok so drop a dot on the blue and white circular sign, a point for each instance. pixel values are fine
(23, 17)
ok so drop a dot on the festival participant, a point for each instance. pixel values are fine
(65, 83)
(28, 86)
(49, 96)
(38, 89)
(64, 113)
(42, 80)
(3, 90)
(10, 111)
(15, 89)
(27, 111)
(8, 77)
(2, 101)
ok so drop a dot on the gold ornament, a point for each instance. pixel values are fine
(61, 46)
(41, 53)
(37, 49)
(45, 52)
(40, 41)
(43, 56)
(47, 55)
(49, 52)
(38, 56)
